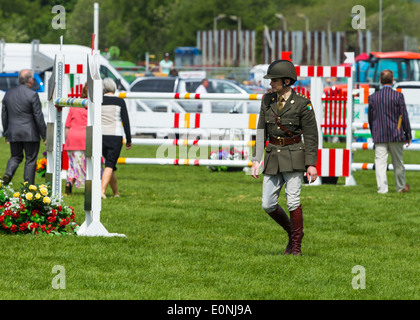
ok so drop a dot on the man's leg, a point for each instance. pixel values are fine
(396, 149)
(381, 161)
(31, 155)
(16, 157)
(271, 189)
(272, 185)
(293, 187)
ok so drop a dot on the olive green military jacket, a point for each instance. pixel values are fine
(298, 117)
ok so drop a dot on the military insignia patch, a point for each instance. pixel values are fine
(310, 106)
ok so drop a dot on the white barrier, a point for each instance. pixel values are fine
(186, 162)
(189, 143)
(365, 125)
(371, 146)
(92, 225)
(190, 96)
(191, 125)
(371, 166)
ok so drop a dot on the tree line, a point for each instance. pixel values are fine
(158, 26)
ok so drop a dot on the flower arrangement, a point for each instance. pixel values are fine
(34, 210)
(227, 154)
(41, 166)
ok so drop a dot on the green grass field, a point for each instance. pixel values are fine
(196, 234)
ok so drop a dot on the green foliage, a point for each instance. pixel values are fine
(157, 26)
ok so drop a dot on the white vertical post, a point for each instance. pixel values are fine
(55, 128)
(349, 119)
(316, 99)
(96, 25)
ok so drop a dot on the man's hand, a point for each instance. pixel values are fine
(408, 142)
(255, 168)
(128, 145)
(311, 174)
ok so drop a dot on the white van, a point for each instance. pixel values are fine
(40, 58)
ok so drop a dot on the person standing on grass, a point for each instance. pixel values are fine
(75, 136)
(114, 112)
(23, 125)
(390, 128)
(285, 117)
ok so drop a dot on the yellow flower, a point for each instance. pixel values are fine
(47, 200)
(16, 195)
(29, 196)
(37, 196)
(32, 187)
(44, 191)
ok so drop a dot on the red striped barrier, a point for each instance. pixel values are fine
(333, 163)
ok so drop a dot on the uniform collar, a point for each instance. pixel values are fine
(287, 104)
(286, 95)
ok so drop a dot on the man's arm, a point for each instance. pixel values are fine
(38, 116)
(4, 117)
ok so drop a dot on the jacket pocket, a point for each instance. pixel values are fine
(291, 123)
(297, 154)
(267, 156)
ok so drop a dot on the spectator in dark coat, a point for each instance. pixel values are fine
(23, 125)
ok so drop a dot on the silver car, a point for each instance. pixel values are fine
(184, 85)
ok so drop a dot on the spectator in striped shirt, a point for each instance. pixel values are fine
(390, 128)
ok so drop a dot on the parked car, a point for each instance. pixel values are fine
(181, 85)
(411, 92)
(10, 80)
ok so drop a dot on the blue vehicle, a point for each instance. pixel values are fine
(10, 80)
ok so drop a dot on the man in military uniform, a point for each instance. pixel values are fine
(287, 121)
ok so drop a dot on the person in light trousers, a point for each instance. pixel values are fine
(287, 122)
(390, 128)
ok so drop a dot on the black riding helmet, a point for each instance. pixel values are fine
(282, 69)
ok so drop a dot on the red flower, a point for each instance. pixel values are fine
(51, 219)
(60, 208)
(13, 228)
(43, 227)
(1, 218)
(34, 226)
(50, 228)
(4, 226)
(15, 215)
(36, 211)
(63, 222)
(53, 212)
(23, 226)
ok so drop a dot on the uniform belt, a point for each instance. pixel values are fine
(285, 141)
